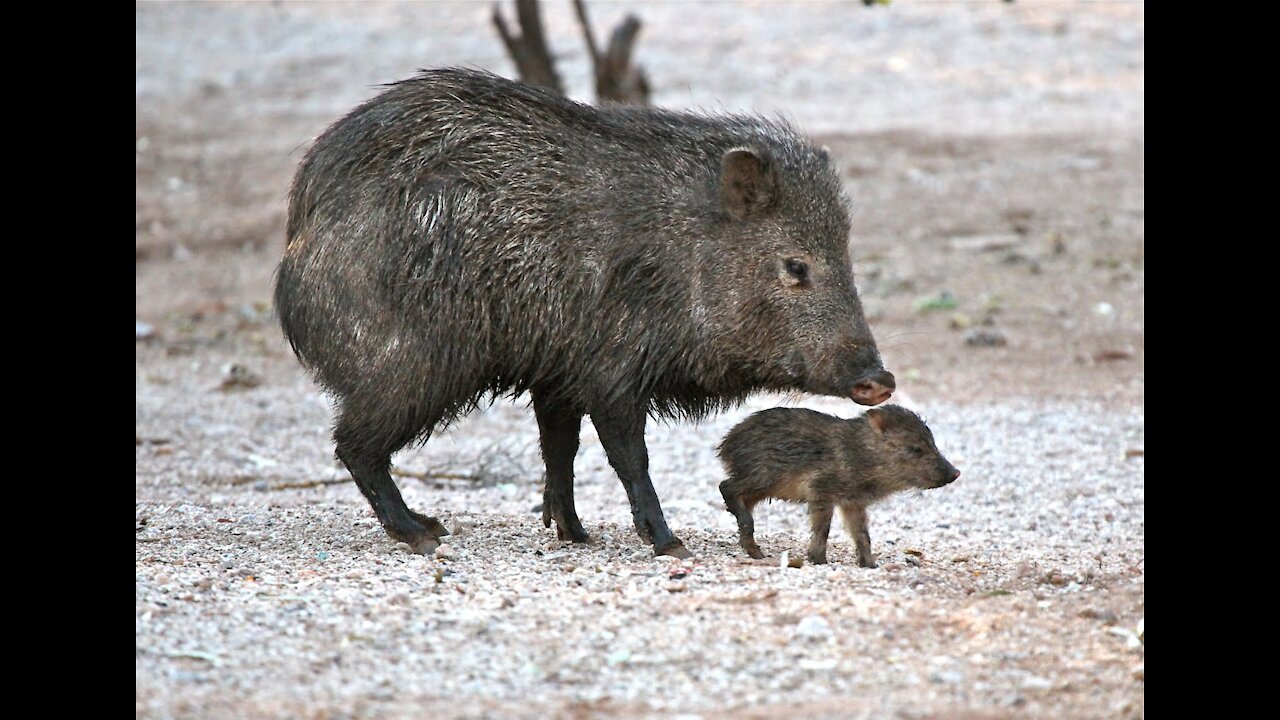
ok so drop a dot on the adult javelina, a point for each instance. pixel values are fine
(462, 236)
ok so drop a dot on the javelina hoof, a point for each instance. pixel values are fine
(433, 526)
(676, 551)
(753, 551)
(567, 528)
(425, 545)
(422, 541)
(571, 533)
(867, 562)
(817, 558)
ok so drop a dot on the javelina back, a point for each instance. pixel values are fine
(825, 461)
(461, 237)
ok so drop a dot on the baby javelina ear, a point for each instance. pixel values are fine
(876, 419)
(805, 456)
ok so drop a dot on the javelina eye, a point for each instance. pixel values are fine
(916, 450)
(798, 269)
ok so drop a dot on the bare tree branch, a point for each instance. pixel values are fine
(528, 49)
(616, 79)
(592, 50)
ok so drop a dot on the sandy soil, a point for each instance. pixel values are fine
(996, 156)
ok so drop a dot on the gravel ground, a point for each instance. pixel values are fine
(996, 155)
(1016, 590)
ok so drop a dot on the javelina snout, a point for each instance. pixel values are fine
(851, 368)
(947, 472)
(873, 388)
(871, 384)
(806, 456)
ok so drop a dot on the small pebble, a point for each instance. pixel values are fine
(1054, 578)
(985, 337)
(238, 377)
(1035, 682)
(813, 627)
(1106, 617)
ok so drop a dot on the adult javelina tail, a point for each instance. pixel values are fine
(462, 236)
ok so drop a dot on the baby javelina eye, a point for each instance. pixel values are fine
(798, 269)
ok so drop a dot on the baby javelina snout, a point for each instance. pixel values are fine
(810, 457)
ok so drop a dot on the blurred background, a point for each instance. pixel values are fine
(994, 151)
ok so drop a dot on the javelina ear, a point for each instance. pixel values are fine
(748, 185)
(876, 418)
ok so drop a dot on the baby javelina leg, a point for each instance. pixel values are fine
(746, 524)
(820, 522)
(855, 522)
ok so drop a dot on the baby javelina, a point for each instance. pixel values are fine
(810, 457)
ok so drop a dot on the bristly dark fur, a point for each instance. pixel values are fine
(462, 236)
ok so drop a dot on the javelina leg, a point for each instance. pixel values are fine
(855, 521)
(820, 523)
(622, 434)
(558, 428)
(746, 524)
(371, 471)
